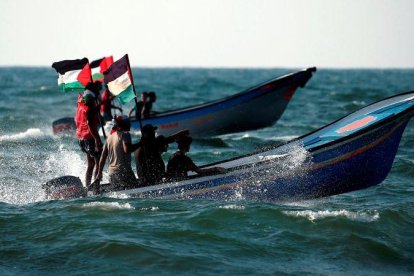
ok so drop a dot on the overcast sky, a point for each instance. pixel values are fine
(211, 33)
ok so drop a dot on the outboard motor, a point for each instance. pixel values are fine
(64, 187)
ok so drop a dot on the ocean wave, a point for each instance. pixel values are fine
(150, 209)
(30, 134)
(108, 205)
(232, 207)
(284, 138)
(316, 215)
(115, 195)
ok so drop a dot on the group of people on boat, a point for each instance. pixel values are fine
(118, 147)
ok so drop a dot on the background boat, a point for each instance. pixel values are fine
(267, 101)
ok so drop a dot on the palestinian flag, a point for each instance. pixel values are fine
(74, 75)
(118, 77)
(99, 66)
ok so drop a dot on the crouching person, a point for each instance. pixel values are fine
(118, 149)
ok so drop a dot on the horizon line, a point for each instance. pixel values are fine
(241, 67)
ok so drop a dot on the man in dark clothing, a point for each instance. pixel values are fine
(147, 109)
(139, 108)
(180, 164)
(150, 165)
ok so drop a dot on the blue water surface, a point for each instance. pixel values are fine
(364, 232)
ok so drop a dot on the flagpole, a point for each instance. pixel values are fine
(99, 115)
(135, 92)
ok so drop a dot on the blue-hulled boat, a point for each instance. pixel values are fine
(352, 153)
(267, 100)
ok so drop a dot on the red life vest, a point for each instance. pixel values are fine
(81, 119)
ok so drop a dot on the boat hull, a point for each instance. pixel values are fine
(234, 115)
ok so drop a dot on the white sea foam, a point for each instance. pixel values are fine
(108, 205)
(151, 209)
(368, 216)
(233, 207)
(115, 195)
(284, 138)
(30, 134)
(237, 137)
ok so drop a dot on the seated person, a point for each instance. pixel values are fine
(150, 165)
(139, 108)
(179, 163)
(117, 149)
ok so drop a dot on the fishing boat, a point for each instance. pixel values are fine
(352, 153)
(267, 100)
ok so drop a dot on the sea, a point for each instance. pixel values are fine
(366, 232)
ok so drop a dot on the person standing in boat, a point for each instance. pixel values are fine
(107, 106)
(118, 149)
(147, 110)
(87, 122)
(149, 162)
(138, 109)
(180, 164)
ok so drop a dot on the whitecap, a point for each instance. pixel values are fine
(117, 195)
(233, 207)
(316, 215)
(284, 138)
(151, 209)
(108, 205)
(31, 133)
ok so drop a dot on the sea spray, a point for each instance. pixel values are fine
(30, 134)
(294, 161)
